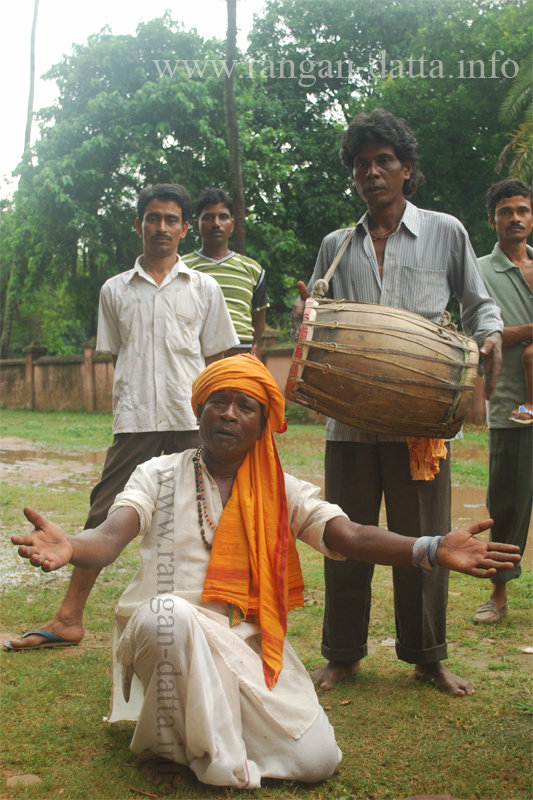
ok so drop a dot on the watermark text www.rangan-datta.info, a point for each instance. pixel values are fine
(308, 71)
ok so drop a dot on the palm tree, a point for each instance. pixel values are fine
(517, 109)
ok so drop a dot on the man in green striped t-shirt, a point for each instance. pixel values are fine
(241, 279)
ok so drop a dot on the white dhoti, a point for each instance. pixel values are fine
(195, 686)
(197, 709)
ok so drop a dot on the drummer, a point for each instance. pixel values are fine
(409, 258)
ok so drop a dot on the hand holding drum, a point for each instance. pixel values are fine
(297, 313)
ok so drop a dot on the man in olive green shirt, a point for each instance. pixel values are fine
(508, 276)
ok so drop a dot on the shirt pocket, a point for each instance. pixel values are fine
(423, 291)
(130, 313)
(188, 317)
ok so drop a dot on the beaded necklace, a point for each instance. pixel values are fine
(200, 498)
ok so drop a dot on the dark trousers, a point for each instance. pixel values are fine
(510, 489)
(124, 456)
(356, 477)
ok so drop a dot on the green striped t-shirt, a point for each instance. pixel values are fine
(243, 285)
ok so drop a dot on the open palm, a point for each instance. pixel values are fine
(462, 552)
(47, 546)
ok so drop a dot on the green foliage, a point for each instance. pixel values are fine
(517, 109)
(120, 123)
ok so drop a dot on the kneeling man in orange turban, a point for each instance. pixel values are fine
(200, 658)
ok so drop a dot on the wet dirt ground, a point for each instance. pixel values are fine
(22, 462)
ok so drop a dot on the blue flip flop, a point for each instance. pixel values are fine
(53, 641)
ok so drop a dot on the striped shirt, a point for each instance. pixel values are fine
(429, 256)
(243, 285)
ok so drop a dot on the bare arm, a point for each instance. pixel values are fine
(458, 550)
(216, 357)
(297, 313)
(517, 334)
(258, 324)
(48, 546)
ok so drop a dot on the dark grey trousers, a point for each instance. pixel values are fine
(510, 489)
(356, 477)
(124, 456)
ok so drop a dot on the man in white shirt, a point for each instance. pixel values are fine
(200, 654)
(162, 323)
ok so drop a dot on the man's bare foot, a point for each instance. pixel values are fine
(438, 674)
(334, 671)
(163, 770)
(66, 630)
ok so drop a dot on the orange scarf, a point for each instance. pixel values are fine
(424, 457)
(254, 566)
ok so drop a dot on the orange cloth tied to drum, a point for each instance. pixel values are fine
(254, 566)
(424, 457)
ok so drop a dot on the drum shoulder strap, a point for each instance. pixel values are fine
(321, 286)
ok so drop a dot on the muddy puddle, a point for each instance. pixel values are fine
(20, 462)
(468, 507)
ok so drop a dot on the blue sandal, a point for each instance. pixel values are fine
(51, 641)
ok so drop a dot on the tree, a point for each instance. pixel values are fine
(517, 107)
(455, 119)
(232, 130)
(121, 121)
(150, 108)
(13, 286)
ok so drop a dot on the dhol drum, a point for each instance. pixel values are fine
(382, 369)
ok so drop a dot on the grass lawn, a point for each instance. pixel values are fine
(398, 737)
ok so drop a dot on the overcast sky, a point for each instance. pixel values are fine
(62, 23)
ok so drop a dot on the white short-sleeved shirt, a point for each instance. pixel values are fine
(161, 335)
(163, 492)
(173, 560)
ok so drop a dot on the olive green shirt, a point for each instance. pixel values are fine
(508, 287)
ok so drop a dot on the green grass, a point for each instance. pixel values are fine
(75, 430)
(399, 737)
(301, 448)
(470, 458)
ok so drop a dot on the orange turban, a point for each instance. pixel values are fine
(254, 566)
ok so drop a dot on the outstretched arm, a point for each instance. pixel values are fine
(458, 550)
(49, 548)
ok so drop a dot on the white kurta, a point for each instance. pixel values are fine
(174, 562)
